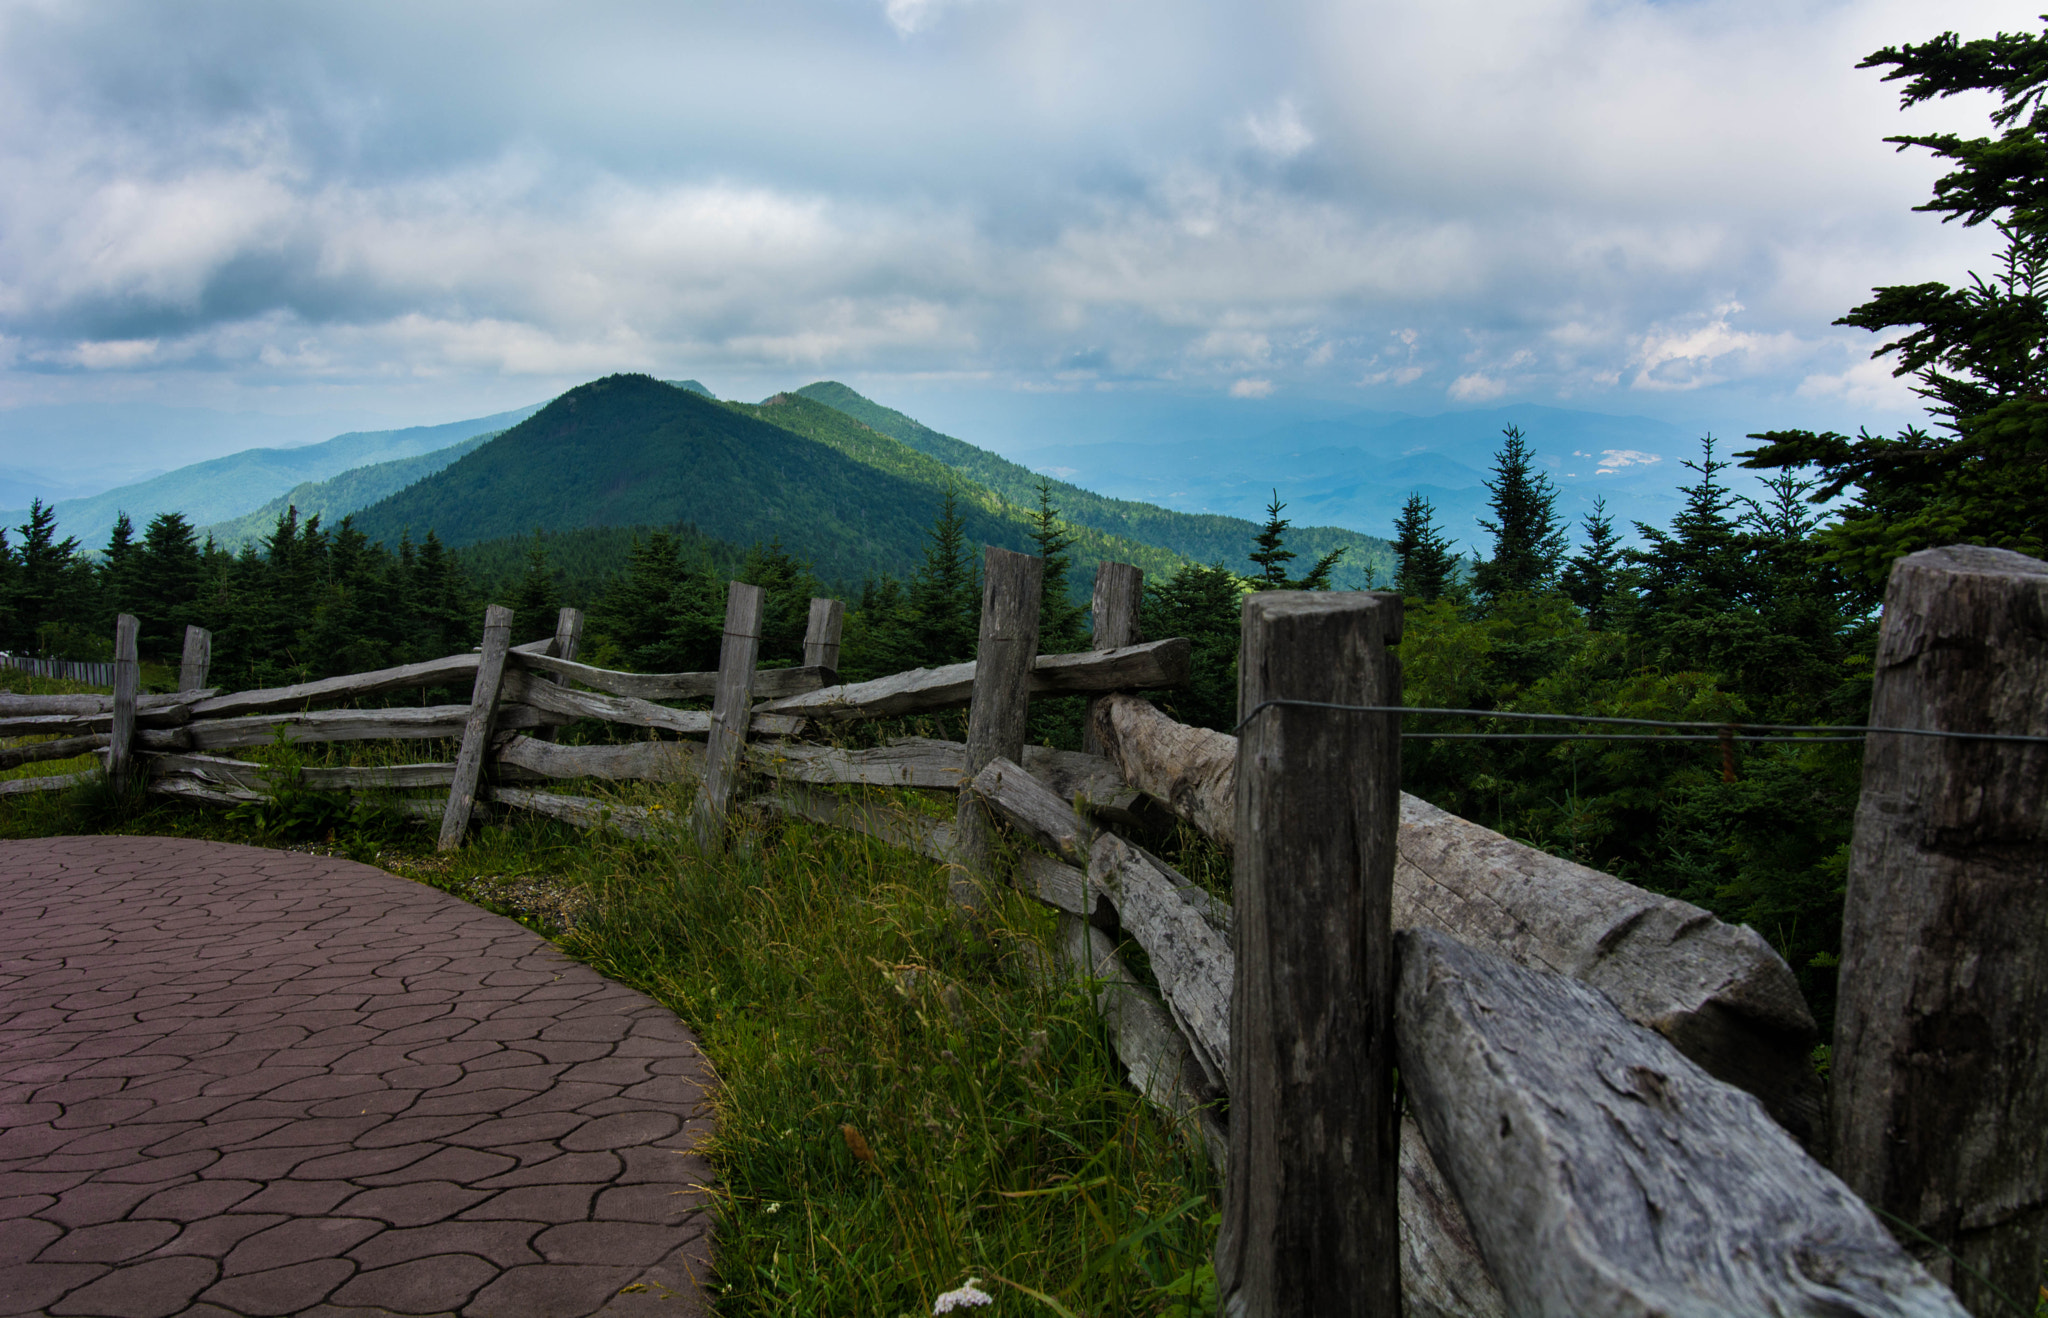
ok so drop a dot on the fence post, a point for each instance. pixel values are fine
(476, 732)
(568, 640)
(127, 684)
(821, 639)
(732, 708)
(1119, 587)
(198, 657)
(1310, 1218)
(1001, 703)
(1940, 1076)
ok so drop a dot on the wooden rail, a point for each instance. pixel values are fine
(1609, 1088)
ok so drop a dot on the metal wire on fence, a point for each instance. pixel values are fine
(1817, 733)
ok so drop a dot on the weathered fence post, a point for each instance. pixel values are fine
(198, 657)
(821, 638)
(568, 640)
(127, 685)
(732, 708)
(1310, 1215)
(476, 731)
(1940, 1060)
(1119, 588)
(1001, 708)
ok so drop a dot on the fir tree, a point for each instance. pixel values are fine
(1203, 604)
(1060, 619)
(1701, 565)
(1271, 556)
(117, 588)
(1528, 542)
(167, 577)
(1592, 576)
(537, 601)
(1424, 563)
(48, 576)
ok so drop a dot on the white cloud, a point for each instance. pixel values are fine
(1251, 388)
(1279, 131)
(1614, 459)
(1475, 388)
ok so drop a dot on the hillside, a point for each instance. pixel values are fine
(337, 496)
(1203, 537)
(223, 488)
(630, 450)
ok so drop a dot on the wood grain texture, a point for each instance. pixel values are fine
(1151, 664)
(254, 777)
(159, 709)
(631, 711)
(455, 670)
(1443, 1274)
(821, 635)
(477, 726)
(1191, 959)
(583, 811)
(674, 686)
(1605, 1173)
(647, 761)
(55, 782)
(1119, 591)
(1718, 991)
(62, 748)
(120, 759)
(568, 640)
(196, 659)
(725, 751)
(1311, 1217)
(1940, 1072)
(1034, 810)
(999, 714)
(403, 723)
(1191, 771)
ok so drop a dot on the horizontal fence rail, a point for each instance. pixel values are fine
(1561, 1033)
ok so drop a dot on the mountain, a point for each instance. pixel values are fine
(1204, 537)
(338, 496)
(222, 488)
(1358, 471)
(630, 450)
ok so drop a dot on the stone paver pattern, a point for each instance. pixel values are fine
(246, 1082)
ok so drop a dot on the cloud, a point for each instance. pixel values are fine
(1552, 199)
(1251, 388)
(1614, 459)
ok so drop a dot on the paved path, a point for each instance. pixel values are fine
(238, 1081)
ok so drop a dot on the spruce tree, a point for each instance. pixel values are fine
(1271, 556)
(47, 573)
(1528, 541)
(537, 600)
(1701, 566)
(944, 605)
(166, 575)
(1203, 604)
(1424, 562)
(117, 568)
(1593, 574)
(1060, 629)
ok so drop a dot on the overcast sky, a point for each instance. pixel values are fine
(427, 211)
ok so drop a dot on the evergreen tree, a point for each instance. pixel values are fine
(1203, 604)
(1528, 541)
(50, 575)
(1592, 576)
(117, 587)
(1060, 619)
(1271, 556)
(1424, 563)
(1701, 565)
(1979, 352)
(790, 587)
(537, 602)
(167, 579)
(944, 605)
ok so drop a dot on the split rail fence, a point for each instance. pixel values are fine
(1606, 1101)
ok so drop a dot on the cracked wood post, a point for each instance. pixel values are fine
(1311, 1222)
(568, 640)
(1940, 1073)
(1001, 704)
(476, 729)
(197, 658)
(731, 710)
(1119, 589)
(821, 638)
(127, 684)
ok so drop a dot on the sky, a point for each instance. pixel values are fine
(1017, 219)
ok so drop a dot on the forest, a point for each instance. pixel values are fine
(1746, 608)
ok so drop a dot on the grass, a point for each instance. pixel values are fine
(907, 1099)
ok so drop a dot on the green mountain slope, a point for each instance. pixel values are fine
(629, 450)
(1203, 537)
(214, 491)
(338, 496)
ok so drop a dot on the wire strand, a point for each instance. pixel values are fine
(1736, 731)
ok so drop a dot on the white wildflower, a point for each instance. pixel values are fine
(967, 1296)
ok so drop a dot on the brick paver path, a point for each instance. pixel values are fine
(238, 1081)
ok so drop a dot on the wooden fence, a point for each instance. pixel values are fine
(1606, 1102)
(70, 670)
